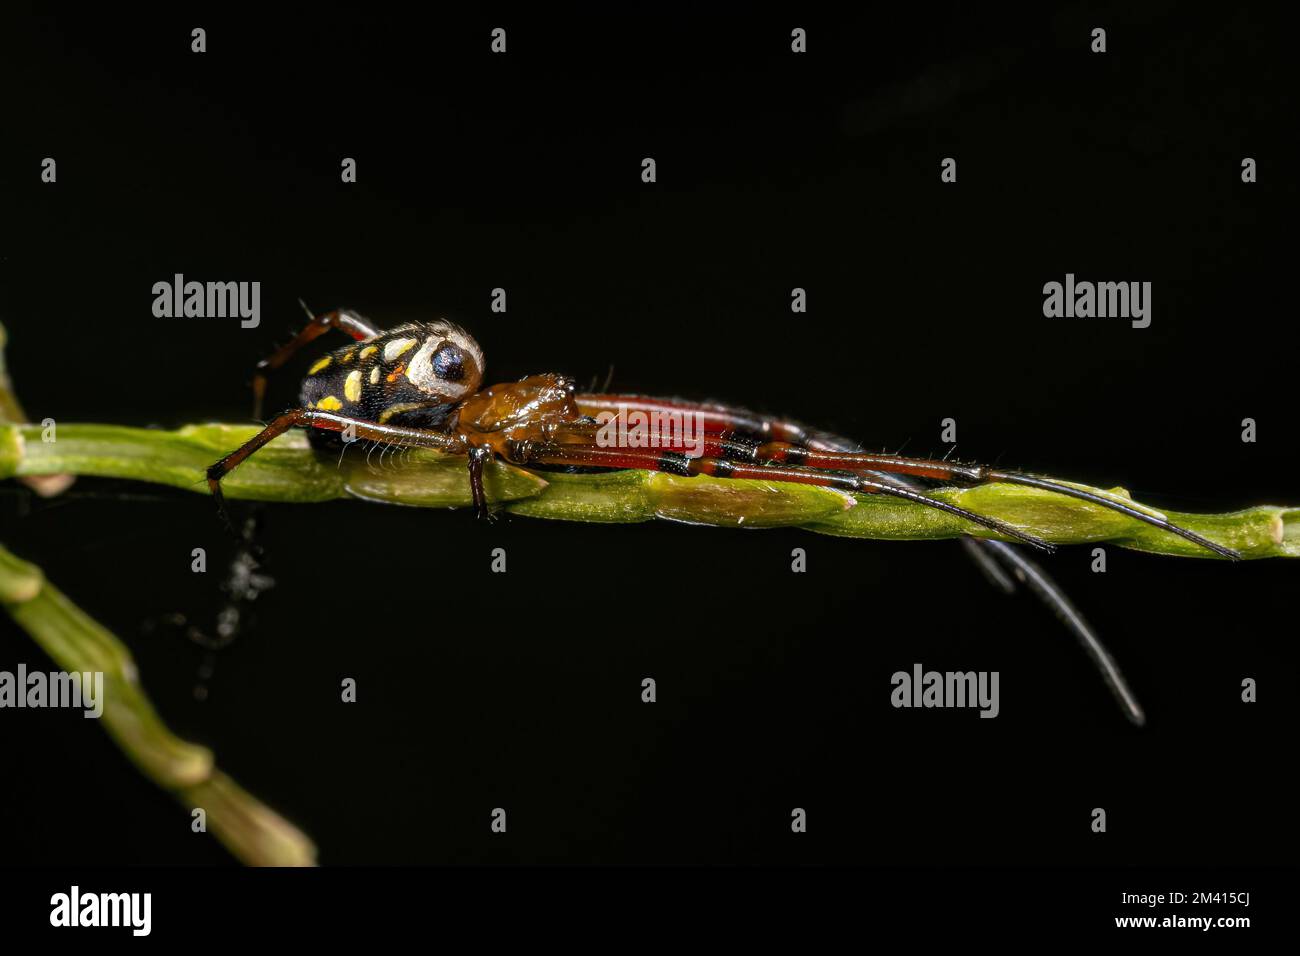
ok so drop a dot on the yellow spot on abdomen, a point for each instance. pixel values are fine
(352, 385)
(374, 375)
(329, 404)
(347, 356)
(369, 350)
(392, 410)
(320, 364)
(396, 348)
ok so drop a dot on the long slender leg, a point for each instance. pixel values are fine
(729, 458)
(311, 418)
(989, 555)
(988, 565)
(1051, 594)
(794, 444)
(715, 419)
(528, 452)
(779, 452)
(344, 320)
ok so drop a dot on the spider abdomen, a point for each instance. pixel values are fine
(413, 375)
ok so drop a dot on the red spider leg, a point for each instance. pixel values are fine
(986, 553)
(342, 319)
(793, 444)
(530, 452)
(715, 419)
(708, 446)
(718, 421)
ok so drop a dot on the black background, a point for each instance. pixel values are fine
(775, 170)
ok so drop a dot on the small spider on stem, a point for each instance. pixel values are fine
(419, 385)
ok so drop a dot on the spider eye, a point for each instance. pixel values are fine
(449, 363)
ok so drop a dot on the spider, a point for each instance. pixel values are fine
(419, 385)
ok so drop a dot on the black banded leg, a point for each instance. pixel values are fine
(989, 555)
(534, 452)
(939, 470)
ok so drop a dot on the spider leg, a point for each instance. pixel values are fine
(780, 452)
(311, 418)
(344, 320)
(988, 565)
(532, 452)
(791, 443)
(989, 555)
(479, 455)
(717, 419)
(1028, 572)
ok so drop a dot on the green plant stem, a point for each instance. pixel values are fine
(288, 470)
